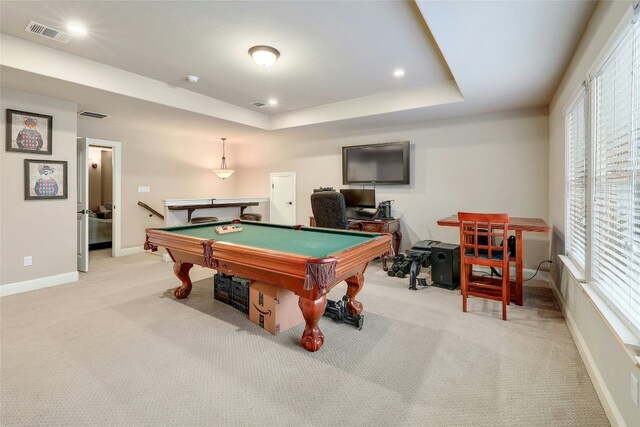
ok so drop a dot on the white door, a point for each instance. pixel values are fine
(283, 198)
(83, 206)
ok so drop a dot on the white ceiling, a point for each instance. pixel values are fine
(329, 51)
(336, 64)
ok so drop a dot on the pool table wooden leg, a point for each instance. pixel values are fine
(354, 285)
(181, 269)
(312, 310)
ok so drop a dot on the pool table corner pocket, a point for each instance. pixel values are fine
(320, 272)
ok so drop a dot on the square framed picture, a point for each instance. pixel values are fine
(29, 132)
(45, 179)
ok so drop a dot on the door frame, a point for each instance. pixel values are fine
(273, 175)
(116, 217)
(82, 194)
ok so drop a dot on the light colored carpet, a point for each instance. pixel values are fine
(117, 349)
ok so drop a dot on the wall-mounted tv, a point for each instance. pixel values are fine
(376, 163)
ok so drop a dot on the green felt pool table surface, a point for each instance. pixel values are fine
(312, 242)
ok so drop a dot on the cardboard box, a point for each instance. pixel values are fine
(273, 308)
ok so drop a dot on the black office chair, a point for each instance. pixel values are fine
(329, 210)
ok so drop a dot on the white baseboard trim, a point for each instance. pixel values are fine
(609, 405)
(42, 282)
(129, 251)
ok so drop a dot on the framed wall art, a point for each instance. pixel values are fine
(45, 179)
(29, 132)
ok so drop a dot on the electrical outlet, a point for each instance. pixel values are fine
(634, 390)
(144, 189)
(28, 261)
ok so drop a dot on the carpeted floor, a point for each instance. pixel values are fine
(117, 349)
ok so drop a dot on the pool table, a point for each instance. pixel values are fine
(307, 260)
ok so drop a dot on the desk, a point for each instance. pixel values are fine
(518, 225)
(389, 225)
(308, 261)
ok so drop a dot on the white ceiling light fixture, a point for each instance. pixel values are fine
(273, 102)
(223, 172)
(264, 56)
(76, 28)
(398, 72)
(193, 79)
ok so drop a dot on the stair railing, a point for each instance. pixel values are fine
(150, 209)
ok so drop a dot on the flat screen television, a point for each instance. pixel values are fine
(356, 198)
(376, 163)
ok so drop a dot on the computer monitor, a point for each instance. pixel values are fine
(359, 198)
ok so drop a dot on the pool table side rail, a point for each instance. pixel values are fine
(177, 228)
(335, 230)
(296, 272)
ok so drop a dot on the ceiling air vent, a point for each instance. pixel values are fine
(92, 114)
(48, 32)
(259, 104)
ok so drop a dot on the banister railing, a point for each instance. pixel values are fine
(150, 209)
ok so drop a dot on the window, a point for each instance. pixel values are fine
(615, 175)
(602, 227)
(576, 208)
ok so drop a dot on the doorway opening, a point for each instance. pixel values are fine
(100, 170)
(98, 196)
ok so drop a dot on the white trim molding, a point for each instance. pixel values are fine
(574, 269)
(129, 251)
(39, 283)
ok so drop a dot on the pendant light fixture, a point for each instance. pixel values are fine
(223, 172)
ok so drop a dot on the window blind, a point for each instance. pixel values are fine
(634, 285)
(576, 179)
(615, 247)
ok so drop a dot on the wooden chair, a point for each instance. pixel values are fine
(478, 234)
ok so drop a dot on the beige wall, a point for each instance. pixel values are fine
(610, 366)
(494, 162)
(100, 177)
(174, 167)
(106, 176)
(43, 229)
(95, 178)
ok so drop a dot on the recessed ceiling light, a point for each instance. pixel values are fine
(398, 72)
(273, 102)
(264, 56)
(76, 28)
(193, 79)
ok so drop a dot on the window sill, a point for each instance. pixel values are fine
(576, 271)
(624, 335)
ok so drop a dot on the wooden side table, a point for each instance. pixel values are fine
(518, 225)
(389, 225)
